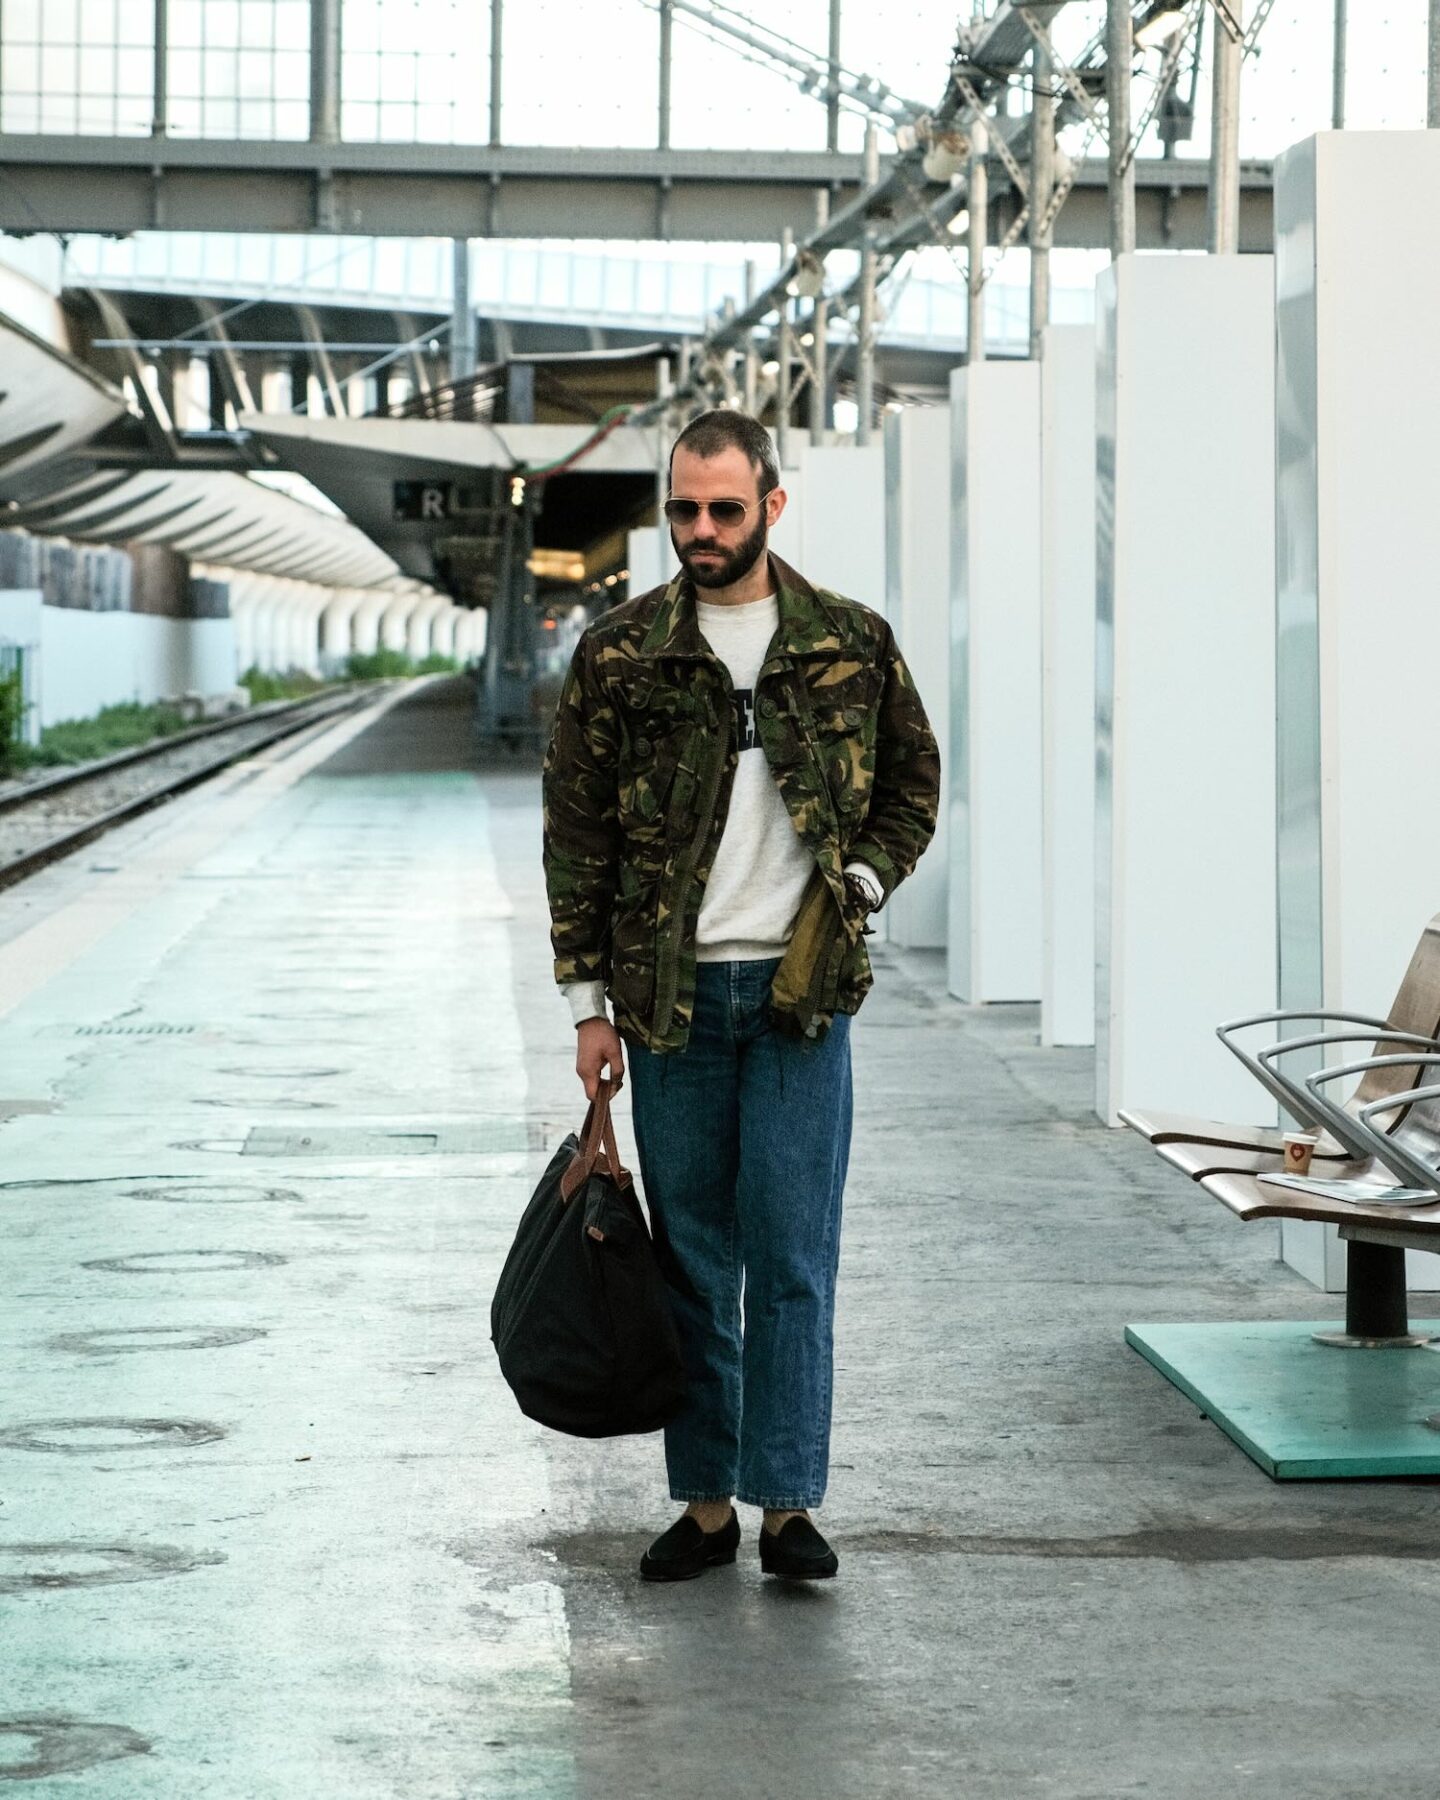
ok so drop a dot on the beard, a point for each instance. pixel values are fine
(730, 565)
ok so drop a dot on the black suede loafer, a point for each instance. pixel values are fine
(797, 1552)
(685, 1551)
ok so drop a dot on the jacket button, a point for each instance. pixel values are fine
(767, 708)
(642, 747)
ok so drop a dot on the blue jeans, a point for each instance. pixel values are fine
(744, 1137)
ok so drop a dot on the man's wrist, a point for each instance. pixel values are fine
(587, 1001)
(866, 883)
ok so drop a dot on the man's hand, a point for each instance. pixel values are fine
(598, 1046)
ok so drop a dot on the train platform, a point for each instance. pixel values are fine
(279, 1064)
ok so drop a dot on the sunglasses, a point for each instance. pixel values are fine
(723, 512)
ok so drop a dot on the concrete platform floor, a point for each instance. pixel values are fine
(277, 1067)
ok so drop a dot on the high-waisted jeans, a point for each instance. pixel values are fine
(744, 1137)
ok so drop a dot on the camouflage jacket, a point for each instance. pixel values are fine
(637, 786)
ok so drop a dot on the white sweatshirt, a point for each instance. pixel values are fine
(762, 865)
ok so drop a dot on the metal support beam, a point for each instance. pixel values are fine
(752, 355)
(1224, 213)
(1337, 93)
(1042, 185)
(868, 325)
(785, 351)
(497, 65)
(667, 64)
(325, 71)
(819, 330)
(662, 440)
(1432, 86)
(464, 356)
(832, 86)
(1119, 67)
(82, 183)
(979, 189)
(160, 84)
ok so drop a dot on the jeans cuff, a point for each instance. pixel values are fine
(771, 1504)
(694, 1496)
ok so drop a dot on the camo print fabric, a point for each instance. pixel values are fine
(638, 775)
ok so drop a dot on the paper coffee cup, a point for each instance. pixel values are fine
(1299, 1148)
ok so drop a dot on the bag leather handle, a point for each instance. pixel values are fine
(597, 1131)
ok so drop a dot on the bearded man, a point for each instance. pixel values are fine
(740, 773)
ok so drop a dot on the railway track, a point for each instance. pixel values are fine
(41, 821)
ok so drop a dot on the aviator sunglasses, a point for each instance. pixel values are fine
(723, 512)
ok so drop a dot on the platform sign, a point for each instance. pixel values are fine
(423, 501)
(433, 502)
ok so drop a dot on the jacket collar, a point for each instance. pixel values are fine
(808, 627)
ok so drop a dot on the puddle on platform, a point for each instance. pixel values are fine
(43, 1568)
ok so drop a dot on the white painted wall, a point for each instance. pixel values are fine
(917, 604)
(90, 660)
(1358, 270)
(1185, 675)
(649, 557)
(787, 535)
(994, 934)
(843, 539)
(1067, 603)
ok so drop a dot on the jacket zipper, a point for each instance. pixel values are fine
(667, 976)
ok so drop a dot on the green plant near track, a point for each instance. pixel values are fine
(294, 684)
(378, 665)
(12, 717)
(114, 728)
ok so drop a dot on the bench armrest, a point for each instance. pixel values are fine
(1337, 1120)
(1286, 1093)
(1386, 1145)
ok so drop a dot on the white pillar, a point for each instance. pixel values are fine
(1185, 678)
(243, 590)
(842, 536)
(993, 935)
(336, 624)
(1067, 605)
(471, 633)
(419, 632)
(395, 619)
(1358, 269)
(649, 557)
(365, 625)
(917, 604)
(443, 636)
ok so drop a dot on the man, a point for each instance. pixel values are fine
(740, 771)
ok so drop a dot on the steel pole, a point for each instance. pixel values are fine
(1224, 211)
(497, 69)
(667, 63)
(1042, 185)
(752, 357)
(463, 349)
(662, 447)
(325, 71)
(1119, 68)
(832, 86)
(865, 358)
(785, 351)
(819, 344)
(975, 260)
(1337, 96)
(160, 110)
(1432, 88)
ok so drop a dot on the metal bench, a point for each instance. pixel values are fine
(1378, 1183)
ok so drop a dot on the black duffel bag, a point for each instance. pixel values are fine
(580, 1318)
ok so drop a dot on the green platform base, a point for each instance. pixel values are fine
(1304, 1411)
